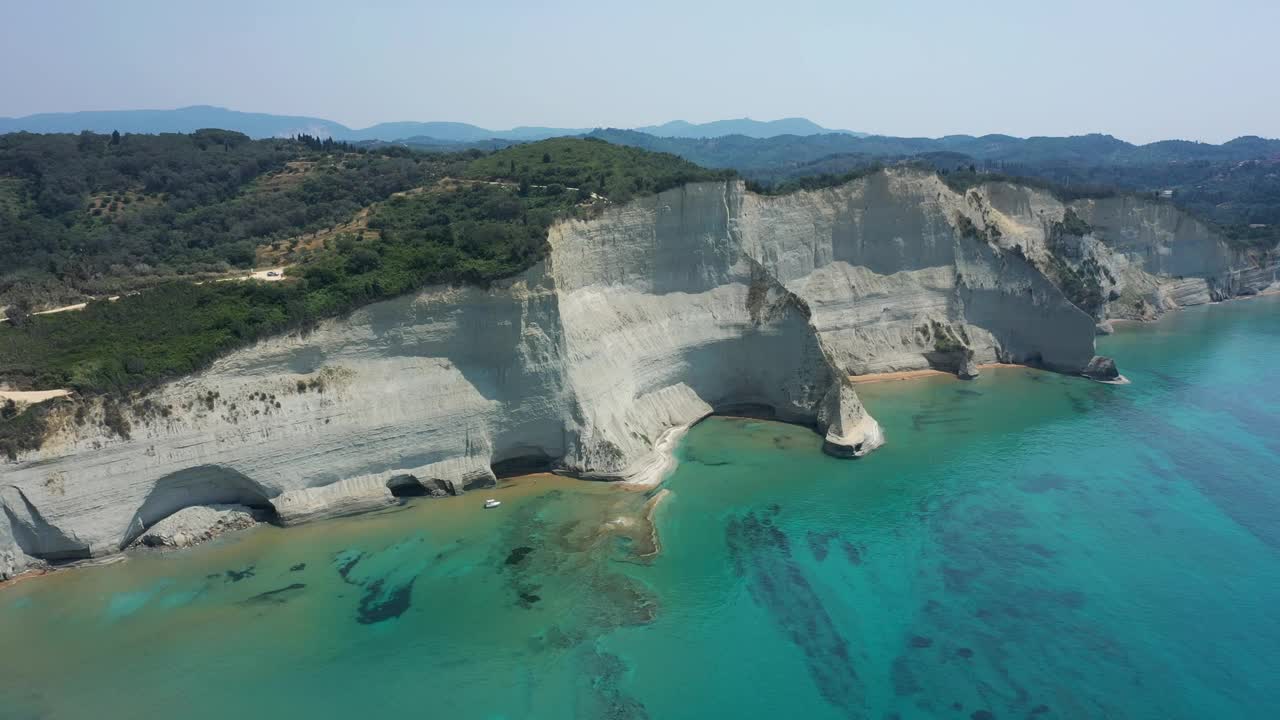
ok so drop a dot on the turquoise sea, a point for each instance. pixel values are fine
(1027, 545)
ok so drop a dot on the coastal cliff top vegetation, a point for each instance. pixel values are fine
(166, 213)
(591, 165)
(90, 215)
(95, 214)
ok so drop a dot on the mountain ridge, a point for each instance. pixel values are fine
(266, 125)
(743, 126)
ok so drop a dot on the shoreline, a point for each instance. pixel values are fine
(646, 479)
(650, 511)
(42, 571)
(868, 378)
(665, 447)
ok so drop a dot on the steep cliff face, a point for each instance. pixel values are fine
(901, 273)
(1144, 257)
(637, 324)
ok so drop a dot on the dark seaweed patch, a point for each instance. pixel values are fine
(958, 580)
(1077, 405)
(920, 641)
(986, 555)
(517, 555)
(852, 552)
(691, 456)
(818, 544)
(1039, 709)
(1231, 481)
(557, 638)
(298, 567)
(982, 715)
(346, 563)
(904, 680)
(375, 607)
(236, 576)
(276, 596)
(761, 553)
(603, 674)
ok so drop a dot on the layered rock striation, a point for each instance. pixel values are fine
(638, 323)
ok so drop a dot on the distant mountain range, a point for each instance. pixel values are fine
(787, 155)
(742, 126)
(263, 125)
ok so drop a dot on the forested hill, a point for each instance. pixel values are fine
(101, 214)
(354, 227)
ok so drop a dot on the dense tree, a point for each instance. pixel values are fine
(467, 230)
(18, 312)
(85, 214)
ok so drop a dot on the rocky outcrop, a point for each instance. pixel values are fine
(1102, 368)
(1123, 256)
(198, 524)
(638, 323)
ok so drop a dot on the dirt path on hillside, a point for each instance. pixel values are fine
(30, 397)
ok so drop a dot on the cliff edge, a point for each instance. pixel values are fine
(637, 324)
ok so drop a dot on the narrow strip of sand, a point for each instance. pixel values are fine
(925, 372)
(32, 396)
(651, 508)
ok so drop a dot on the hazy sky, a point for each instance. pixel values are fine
(1138, 69)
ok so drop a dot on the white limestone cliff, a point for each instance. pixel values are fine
(639, 323)
(1147, 256)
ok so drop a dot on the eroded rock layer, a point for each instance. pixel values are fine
(639, 323)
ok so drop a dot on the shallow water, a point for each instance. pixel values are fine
(1026, 545)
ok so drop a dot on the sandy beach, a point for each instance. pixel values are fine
(912, 374)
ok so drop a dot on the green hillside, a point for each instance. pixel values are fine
(469, 219)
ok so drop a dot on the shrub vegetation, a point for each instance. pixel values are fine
(474, 219)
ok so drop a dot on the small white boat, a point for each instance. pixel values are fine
(491, 503)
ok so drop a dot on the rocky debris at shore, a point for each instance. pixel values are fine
(12, 565)
(195, 525)
(968, 369)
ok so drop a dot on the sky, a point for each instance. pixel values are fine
(1137, 69)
